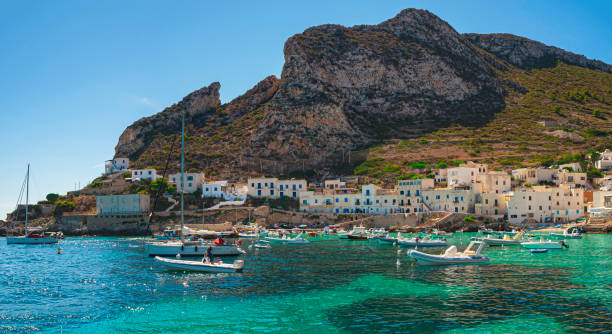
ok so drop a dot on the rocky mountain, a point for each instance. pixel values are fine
(346, 89)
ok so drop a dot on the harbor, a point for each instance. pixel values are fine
(102, 285)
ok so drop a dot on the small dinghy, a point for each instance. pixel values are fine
(451, 256)
(541, 250)
(544, 244)
(210, 267)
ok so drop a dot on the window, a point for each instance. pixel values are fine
(271, 185)
(305, 202)
(367, 192)
(408, 192)
(529, 208)
(189, 184)
(345, 199)
(271, 192)
(294, 187)
(417, 193)
(258, 185)
(427, 198)
(456, 209)
(266, 184)
(258, 192)
(189, 178)
(281, 194)
(253, 185)
(401, 192)
(337, 200)
(486, 201)
(294, 195)
(206, 189)
(215, 188)
(540, 208)
(495, 204)
(300, 186)
(530, 198)
(447, 196)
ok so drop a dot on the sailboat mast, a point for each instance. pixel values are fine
(182, 167)
(27, 199)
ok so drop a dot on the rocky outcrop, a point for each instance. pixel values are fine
(199, 104)
(528, 54)
(342, 88)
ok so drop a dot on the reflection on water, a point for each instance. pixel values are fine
(107, 284)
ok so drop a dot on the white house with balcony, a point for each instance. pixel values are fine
(144, 174)
(192, 182)
(605, 160)
(271, 187)
(225, 190)
(116, 165)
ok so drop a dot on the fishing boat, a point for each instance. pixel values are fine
(420, 242)
(544, 244)
(210, 267)
(184, 247)
(285, 239)
(31, 236)
(358, 233)
(451, 256)
(505, 241)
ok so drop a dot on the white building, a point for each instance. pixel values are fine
(574, 166)
(451, 200)
(123, 204)
(116, 165)
(534, 175)
(272, 187)
(144, 174)
(529, 204)
(491, 205)
(192, 181)
(605, 161)
(564, 176)
(222, 189)
(497, 182)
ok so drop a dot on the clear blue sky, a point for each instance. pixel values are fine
(74, 74)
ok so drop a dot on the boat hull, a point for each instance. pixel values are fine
(168, 249)
(541, 245)
(357, 237)
(501, 242)
(566, 236)
(31, 241)
(200, 266)
(288, 241)
(437, 260)
(421, 244)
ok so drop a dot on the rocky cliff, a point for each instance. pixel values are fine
(347, 88)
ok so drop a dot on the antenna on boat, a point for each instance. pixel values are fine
(182, 168)
(27, 198)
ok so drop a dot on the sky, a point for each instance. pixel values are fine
(75, 74)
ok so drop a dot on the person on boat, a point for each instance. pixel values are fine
(207, 255)
(219, 241)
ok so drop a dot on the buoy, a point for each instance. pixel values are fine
(59, 251)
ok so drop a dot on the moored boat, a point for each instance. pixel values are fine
(451, 256)
(543, 244)
(505, 241)
(190, 248)
(420, 242)
(211, 267)
(285, 239)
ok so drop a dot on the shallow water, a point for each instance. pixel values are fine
(101, 285)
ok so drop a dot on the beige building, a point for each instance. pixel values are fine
(564, 176)
(567, 203)
(534, 175)
(529, 204)
(192, 182)
(491, 205)
(497, 182)
(451, 200)
(334, 184)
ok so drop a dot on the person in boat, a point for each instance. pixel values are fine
(417, 239)
(219, 241)
(207, 255)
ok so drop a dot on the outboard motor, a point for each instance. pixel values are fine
(563, 244)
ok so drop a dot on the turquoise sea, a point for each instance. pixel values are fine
(107, 285)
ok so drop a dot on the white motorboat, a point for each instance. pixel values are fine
(451, 256)
(285, 239)
(190, 248)
(248, 235)
(420, 242)
(31, 236)
(566, 235)
(505, 241)
(544, 244)
(358, 233)
(210, 267)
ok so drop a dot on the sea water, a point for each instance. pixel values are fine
(105, 285)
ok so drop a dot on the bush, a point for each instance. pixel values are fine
(441, 165)
(431, 176)
(127, 174)
(418, 165)
(63, 206)
(469, 219)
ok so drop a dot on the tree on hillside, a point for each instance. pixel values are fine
(52, 197)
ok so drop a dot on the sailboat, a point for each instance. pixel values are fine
(31, 237)
(183, 247)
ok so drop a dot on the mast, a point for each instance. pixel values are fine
(27, 198)
(182, 171)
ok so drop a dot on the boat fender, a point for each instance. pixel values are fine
(182, 247)
(196, 248)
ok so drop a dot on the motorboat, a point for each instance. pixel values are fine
(358, 233)
(190, 248)
(203, 266)
(387, 238)
(505, 241)
(285, 239)
(544, 244)
(451, 256)
(567, 235)
(420, 242)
